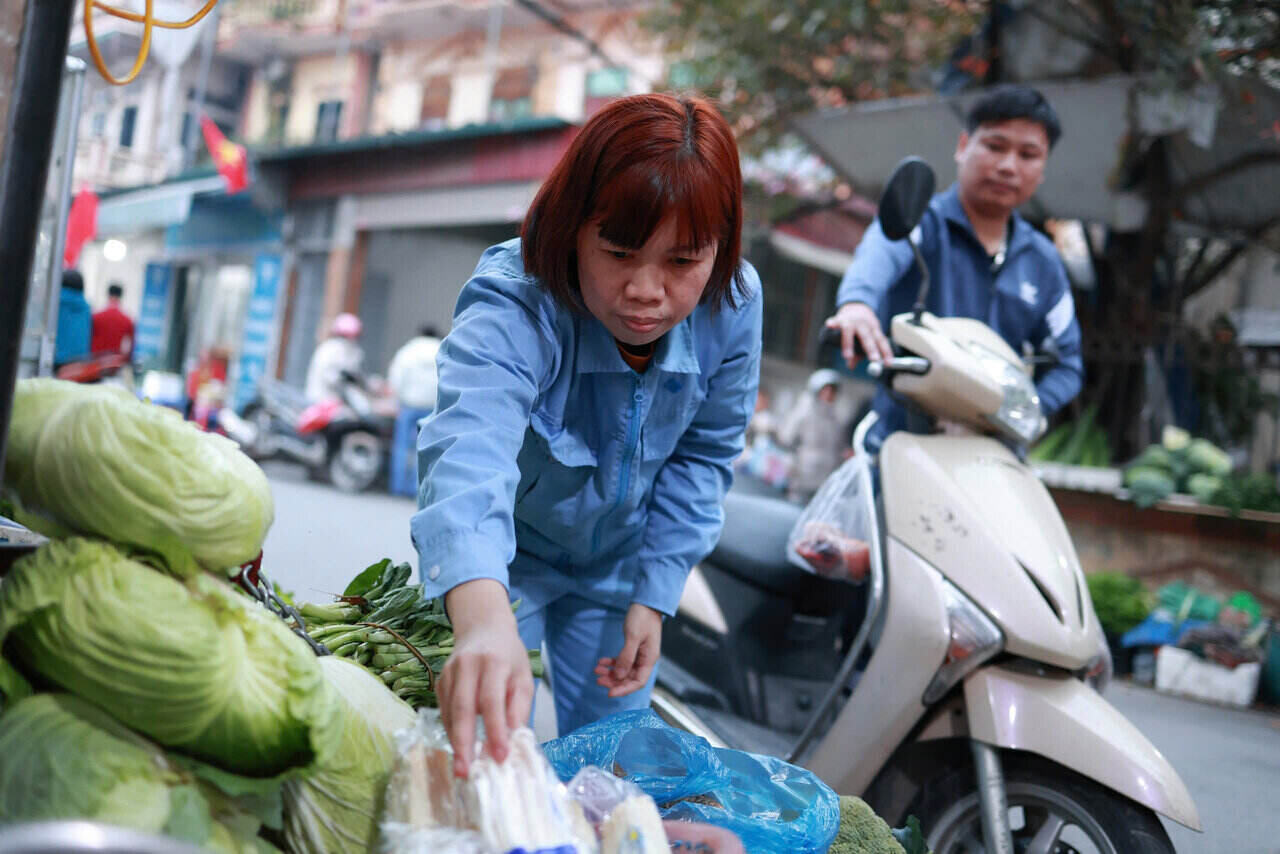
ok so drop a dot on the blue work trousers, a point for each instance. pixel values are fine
(578, 633)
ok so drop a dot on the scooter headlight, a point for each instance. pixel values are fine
(974, 640)
(1098, 672)
(1019, 413)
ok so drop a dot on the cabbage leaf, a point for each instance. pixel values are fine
(67, 759)
(334, 805)
(190, 663)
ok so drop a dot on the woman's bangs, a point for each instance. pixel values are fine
(635, 203)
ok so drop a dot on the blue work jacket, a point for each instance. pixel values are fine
(1027, 300)
(551, 466)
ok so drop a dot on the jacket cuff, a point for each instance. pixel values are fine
(660, 585)
(450, 558)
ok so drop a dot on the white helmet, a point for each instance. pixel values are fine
(822, 378)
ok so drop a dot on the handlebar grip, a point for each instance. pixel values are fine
(831, 335)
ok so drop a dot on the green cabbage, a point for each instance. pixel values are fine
(334, 805)
(107, 464)
(192, 664)
(66, 759)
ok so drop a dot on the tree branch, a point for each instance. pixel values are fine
(1226, 170)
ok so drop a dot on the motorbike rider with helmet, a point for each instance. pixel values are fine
(337, 354)
(986, 262)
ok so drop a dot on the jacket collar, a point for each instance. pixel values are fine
(598, 352)
(947, 203)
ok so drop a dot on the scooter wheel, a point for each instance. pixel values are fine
(1051, 809)
(356, 461)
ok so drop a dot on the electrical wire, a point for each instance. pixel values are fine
(148, 21)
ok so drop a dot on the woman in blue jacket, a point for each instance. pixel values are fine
(593, 394)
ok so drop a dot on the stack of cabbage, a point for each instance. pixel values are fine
(165, 700)
(1178, 464)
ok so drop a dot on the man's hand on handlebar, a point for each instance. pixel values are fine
(859, 325)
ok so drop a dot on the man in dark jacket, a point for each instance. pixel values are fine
(985, 261)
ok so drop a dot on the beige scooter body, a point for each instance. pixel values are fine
(978, 631)
(966, 509)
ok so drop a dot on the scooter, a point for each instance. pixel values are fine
(345, 441)
(960, 682)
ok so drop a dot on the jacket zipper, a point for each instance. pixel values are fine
(624, 480)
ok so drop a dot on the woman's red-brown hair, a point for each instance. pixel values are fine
(634, 162)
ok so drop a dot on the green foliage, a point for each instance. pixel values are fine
(766, 60)
(1119, 600)
(1248, 492)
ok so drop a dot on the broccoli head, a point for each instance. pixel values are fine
(862, 831)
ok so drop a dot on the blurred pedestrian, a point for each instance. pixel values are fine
(75, 321)
(412, 377)
(339, 353)
(412, 373)
(817, 435)
(112, 329)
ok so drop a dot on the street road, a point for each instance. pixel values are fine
(1230, 760)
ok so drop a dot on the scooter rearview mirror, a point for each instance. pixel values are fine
(902, 204)
(905, 197)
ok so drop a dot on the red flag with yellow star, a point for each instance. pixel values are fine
(229, 158)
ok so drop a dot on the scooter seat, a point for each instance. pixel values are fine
(753, 545)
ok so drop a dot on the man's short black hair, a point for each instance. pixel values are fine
(72, 279)
(1012, 101)
(428, 331)
(115, 290)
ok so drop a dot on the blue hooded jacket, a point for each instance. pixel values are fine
(551, 466)
(75, 326)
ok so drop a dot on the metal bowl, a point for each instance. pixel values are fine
(16, 541)
(51, 837)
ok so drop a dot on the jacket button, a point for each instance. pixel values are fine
(434, 572)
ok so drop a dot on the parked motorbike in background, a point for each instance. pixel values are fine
(344, 440)
(105, 368)
(960, 682)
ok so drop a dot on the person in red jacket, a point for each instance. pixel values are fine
(112, 328)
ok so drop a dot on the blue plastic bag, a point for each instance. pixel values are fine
(770, 804)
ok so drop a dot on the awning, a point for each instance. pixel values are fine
(472, 205)
(864, 142)
(152, 207)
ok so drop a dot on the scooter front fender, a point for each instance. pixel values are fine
(1063, 719)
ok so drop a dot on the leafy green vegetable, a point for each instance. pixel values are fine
(1248, 492)
(194, 665)
(12, 686)
(66, 759)
(105, 463)
(333, 806)
(1147, 486)
(911, 837)
(385, 624)
(1119, 600)
(861, 831)
(1205, 458)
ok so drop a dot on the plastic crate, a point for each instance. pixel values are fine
(1180, 671)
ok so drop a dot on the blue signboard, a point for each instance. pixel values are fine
(259, 326)
(149, 330)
